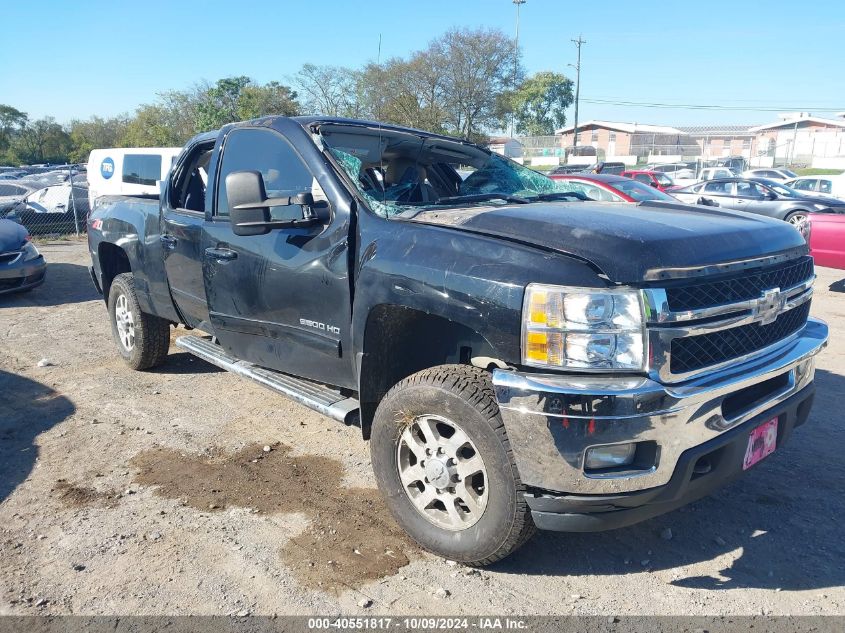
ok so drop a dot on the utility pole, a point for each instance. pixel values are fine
(577, 68)
(518, 3)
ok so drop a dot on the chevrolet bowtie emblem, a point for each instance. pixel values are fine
(770, 305)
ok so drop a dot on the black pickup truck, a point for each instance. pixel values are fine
(518, 356)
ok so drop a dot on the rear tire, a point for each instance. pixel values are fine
(142, 339)
(462, 497)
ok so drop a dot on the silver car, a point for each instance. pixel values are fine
(757, 195)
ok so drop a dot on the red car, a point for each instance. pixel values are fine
(827, 239)
(609, 188)
(655, 179)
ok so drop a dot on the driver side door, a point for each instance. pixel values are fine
(280, 300)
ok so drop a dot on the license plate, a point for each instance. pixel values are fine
(761, 443)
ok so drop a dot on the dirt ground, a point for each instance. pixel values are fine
(155, 493)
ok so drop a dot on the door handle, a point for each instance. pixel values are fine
(168, 241)
(221, 254)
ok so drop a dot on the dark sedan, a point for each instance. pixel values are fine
(22, 267)
(758, 195)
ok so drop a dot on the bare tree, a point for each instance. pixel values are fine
(477, 66)
(328, 90)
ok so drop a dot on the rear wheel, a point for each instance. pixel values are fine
(142, 339)
(442, 460)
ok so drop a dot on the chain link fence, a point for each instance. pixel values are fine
(640, 149)
(49, 200)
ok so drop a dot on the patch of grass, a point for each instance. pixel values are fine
(815, 171)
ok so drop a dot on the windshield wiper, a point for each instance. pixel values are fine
(483, 197)
(561, 195)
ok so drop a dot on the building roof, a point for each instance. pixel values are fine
(501, 140)
(630, 128)
(801, 119)
(718, 130)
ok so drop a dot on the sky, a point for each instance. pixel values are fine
(76, 59)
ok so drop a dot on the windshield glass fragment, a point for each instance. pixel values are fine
(397, 171)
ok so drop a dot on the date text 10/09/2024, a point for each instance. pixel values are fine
(425, 623)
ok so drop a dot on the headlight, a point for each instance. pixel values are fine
(583, 328)
(29, 252)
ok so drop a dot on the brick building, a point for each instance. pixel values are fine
(626, 141)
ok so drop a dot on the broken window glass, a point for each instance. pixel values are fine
(397, 171)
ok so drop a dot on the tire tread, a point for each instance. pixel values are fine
(473, 384)
(152, 337)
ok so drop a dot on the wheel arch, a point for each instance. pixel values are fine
(113, 261)
(392, 351)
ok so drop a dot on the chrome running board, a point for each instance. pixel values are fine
(313, 395)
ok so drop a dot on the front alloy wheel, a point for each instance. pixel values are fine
(442, 472)
(443, 462)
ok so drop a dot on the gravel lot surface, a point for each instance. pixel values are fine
(186, 490)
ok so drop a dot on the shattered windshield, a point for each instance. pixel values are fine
(398, 171)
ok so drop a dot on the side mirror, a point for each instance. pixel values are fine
(771, 196)
(249, 206)
(655, 184)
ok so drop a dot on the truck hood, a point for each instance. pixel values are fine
(626, 241)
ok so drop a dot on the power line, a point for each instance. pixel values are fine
(727, 101)
(702, 106)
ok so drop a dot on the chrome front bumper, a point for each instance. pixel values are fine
(551, 420)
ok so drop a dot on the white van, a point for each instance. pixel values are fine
(128, 171)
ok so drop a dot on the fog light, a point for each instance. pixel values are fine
(600, 457)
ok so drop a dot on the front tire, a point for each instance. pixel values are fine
(796, 218)
(142, 339)
(443, 462)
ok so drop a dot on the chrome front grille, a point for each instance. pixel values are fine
(692, 353)
(700, 327)
(739, 288)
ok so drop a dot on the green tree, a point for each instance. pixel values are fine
(539, 103)
(271, 98)
(153, 127)
(42, 141)
(453, 86)
(95, 133)
(12, 121)
(404, 92)
(218, 105)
